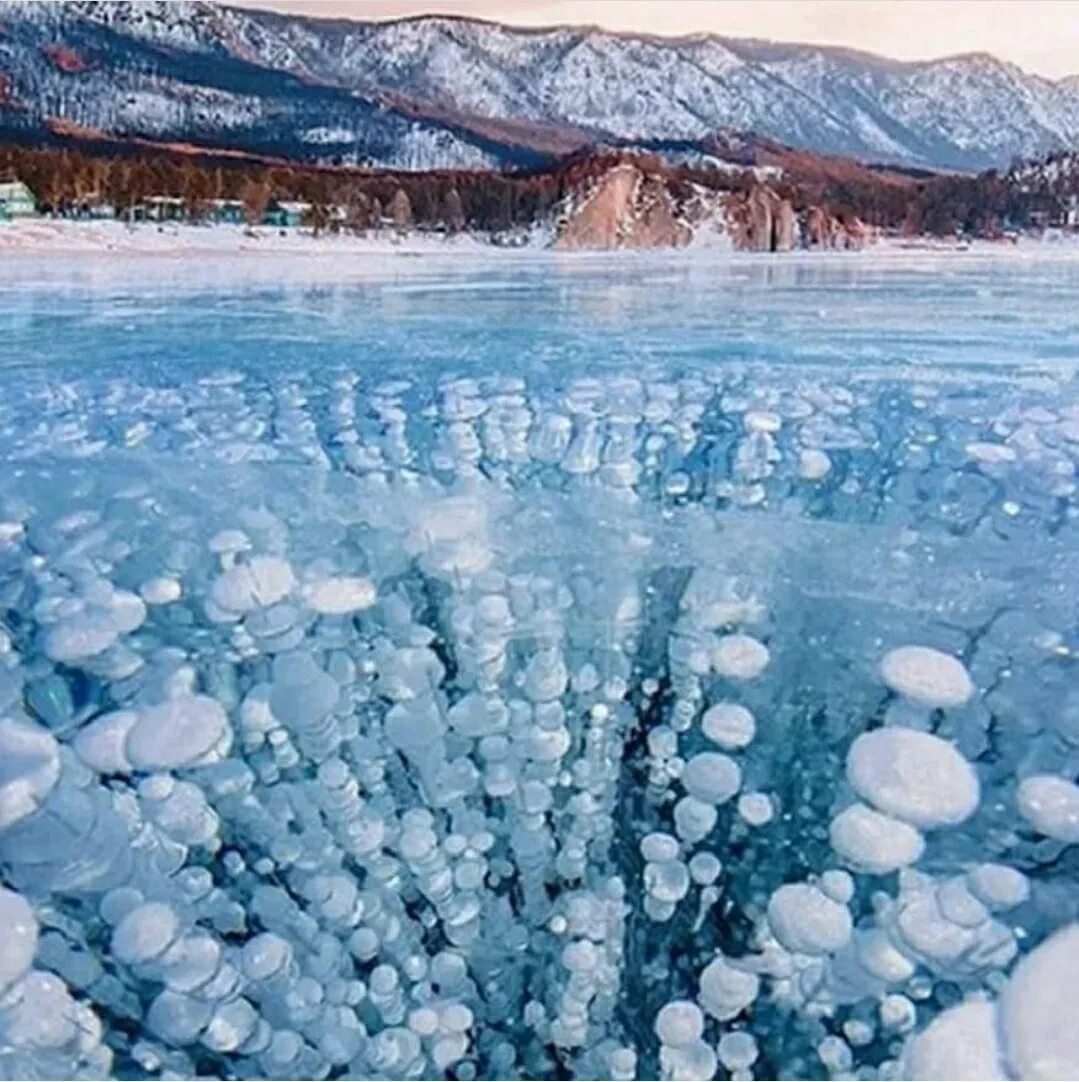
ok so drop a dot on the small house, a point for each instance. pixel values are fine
(287, 213)
(161, 208)
(16, 200)
(227, 211)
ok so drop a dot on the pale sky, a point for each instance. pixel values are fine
(1039, 35)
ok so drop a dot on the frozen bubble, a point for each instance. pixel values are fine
(423, 1021)
(679, 1022)
(729, 725)
(991, 452)
(813, 465)
(914, 776)
(737, 1050)
(18, 938)
(340, 595)
(999, 886)
(160, 591)
(691, 1061)
(126, 611)
(580, 956)
(837, 884)
(176, 733)
(927, 676)
(100, 745)
(263, 580)
(704, 868)
(755, 809)
(960, 1043)
(81, 636)
(200, 958)
(42, 1016)
(29, 768)
(694, 819)
(897, 1013)
(739, 657)
(712, 777)
(835, 1054)
(229, 541)
(805, 920)
(178, 1018)
(880, 957)
(762, 421)
(1039, 1010)
(958, 905)
(667, 881)
(232, 1024)
(726, 991)
(1050, 804)
(658, 846)
(145, 933)
(456, 1018)
(873, 842)
(304, 698)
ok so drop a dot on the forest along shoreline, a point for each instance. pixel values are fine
(762, 198)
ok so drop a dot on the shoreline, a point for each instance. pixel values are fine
(42, 237)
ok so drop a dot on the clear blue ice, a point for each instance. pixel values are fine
(539, 668)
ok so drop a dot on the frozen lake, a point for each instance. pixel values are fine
(540, 667)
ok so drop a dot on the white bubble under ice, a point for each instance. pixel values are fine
(370, 722)
(914, 776)
(926, 676)
(1050, 804)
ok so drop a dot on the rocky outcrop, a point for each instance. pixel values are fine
(825, 230)
(633, 206)
(762, 221)
(624, 208)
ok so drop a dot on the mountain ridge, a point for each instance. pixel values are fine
(453, 90)
(696, 36)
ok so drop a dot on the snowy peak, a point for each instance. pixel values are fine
(463, 91)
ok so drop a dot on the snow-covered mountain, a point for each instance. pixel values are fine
(435, 91)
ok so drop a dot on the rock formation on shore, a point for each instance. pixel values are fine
(630, 206)
(625, 208)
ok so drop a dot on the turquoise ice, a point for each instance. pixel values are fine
(539, 667)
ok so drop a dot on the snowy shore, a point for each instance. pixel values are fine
(43, 236)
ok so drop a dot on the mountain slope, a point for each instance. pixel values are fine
(441, 91)
(192, 79)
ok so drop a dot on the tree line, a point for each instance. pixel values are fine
(71, 181)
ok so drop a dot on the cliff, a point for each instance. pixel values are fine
(624, 208)
(631, 206)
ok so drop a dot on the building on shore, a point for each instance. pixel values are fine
(16, 199)
(287, 213)
(226, 211)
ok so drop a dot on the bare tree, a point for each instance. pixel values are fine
(401, 212)
(255, 196)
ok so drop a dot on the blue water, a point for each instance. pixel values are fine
(462, 538)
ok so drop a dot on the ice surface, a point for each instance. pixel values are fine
(677, 683)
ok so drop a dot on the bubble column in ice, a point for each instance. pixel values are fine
(43, 1025)
(593, 925)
